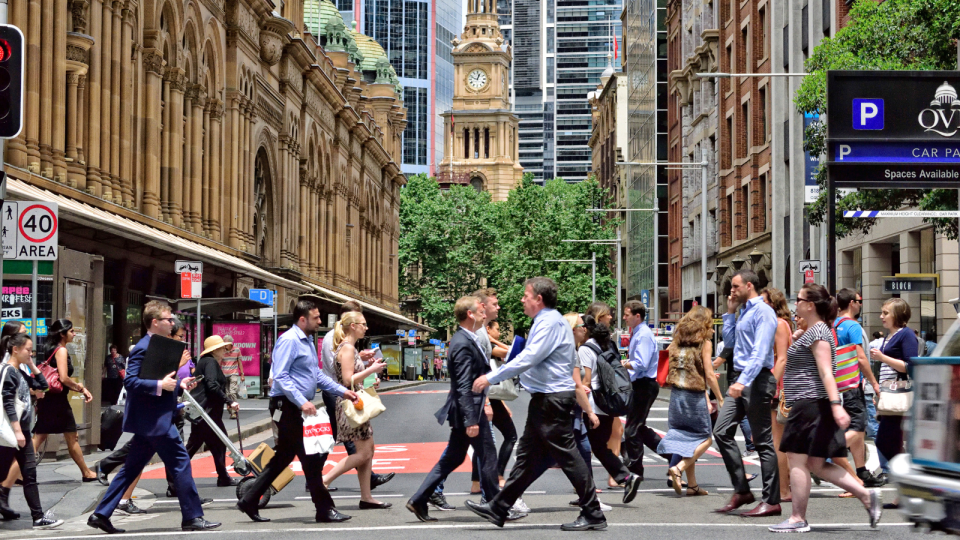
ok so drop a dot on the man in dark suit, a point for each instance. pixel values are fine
(149, 414)
(463, 410)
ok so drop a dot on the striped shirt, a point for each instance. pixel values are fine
(902, 344)
(802, 379)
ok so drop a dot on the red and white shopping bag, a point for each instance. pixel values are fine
(318, 433)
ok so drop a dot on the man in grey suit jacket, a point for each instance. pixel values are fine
(463, 410)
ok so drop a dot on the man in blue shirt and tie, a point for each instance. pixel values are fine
(296, 374)
(641, 363)
(545, 367)
(751, 337)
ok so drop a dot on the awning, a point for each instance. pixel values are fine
(96, 218)
(216, 307)
(341, 298)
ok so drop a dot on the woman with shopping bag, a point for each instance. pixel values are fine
(351, 371)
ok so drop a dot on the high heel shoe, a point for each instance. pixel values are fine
(364, 505)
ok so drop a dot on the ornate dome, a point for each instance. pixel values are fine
(369, 48)
(317, 14)
(946, 94)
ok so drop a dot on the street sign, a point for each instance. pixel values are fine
(331, 320)
(810, 264)
(645, 297)
(899, 285)
(30, 230)
(264, 296)
(191, 285)
(188, 266)
(808, 276)
(401, 333)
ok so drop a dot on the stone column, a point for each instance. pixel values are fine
(910, 264)
(216, 179)
(165, 148)
(73, 80)
(81, 178)
(92, 142)
(189, 96)
(116, 82)
(106, 101)
(127, 67)
(196, 170)
(152, 67)
(47, 70)
(875, 262)
(59, 97)
(948, 266)
(205, 207)
(244, 176)
(176, 146)
(32, 116)
(232, 182)
(302, 237)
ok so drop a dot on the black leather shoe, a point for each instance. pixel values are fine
(332, 516)
(420, 510)
(486, 512)
(91, 479)
(252, 512)
(584, 524)
(101, 476)
(226, 482)
(364, 505)
(378, 480)
(199, 524)
(630, 488)
(99, 522)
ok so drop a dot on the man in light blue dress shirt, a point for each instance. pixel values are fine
(642, 365)
(296, 375)
(751, 337)
(545, 368)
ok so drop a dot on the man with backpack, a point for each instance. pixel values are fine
(850, 384)
(610, 398)
(642, 365)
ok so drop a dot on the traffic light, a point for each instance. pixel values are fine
(11, 81)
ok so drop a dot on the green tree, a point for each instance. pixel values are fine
(892, 35)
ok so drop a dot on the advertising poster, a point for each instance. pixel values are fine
(391, 353)
(932, 389)
(246, 336)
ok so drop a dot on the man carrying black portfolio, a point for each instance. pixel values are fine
(463, 410)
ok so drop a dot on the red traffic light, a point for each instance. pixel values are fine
(4, 50)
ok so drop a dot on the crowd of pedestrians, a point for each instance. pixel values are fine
(801, 386)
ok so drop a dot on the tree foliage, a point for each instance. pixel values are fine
(459, 240)
(892, 35)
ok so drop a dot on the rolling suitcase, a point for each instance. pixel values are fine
(111, 427)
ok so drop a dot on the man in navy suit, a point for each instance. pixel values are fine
(149, 413)
(463, 410)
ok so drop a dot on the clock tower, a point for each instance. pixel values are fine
(480, 132)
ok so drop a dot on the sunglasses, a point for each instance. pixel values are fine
(804, 300)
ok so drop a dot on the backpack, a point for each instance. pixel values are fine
(615, 392)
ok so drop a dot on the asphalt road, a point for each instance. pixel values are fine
(409, 441)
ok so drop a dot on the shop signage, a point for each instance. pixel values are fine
(30, 230)
(18, 299)
(898, 285)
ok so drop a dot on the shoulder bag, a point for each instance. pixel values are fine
(372, 407)
(847, 372)
(505, 391)
(8, 437)
(51, 374)
(896, 397)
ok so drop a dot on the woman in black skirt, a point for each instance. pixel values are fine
(54, 414)
(817, 420)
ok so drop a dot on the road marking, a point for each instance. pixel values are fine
(452, 526)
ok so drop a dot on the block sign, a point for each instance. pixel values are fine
(30, 230)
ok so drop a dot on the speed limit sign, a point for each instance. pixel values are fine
(30, 230)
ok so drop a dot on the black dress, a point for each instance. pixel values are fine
(54, 414)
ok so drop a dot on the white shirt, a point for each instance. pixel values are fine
(327, 356)
(588, 359)
(546, 364)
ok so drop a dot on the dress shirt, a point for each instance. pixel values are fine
(296, 369)
(326, 354)
(546, 364)
(751, 337)
(643, 354)
(474, 337)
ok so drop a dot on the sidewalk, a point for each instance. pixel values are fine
(62, 492)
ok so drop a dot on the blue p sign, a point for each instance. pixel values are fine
(868, 114)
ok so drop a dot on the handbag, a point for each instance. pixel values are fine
(372, 407)
(847, 372)
(896, 397)
(783, 412)
(318, 433)
(51, 374)
(8, 437)
(505, 391)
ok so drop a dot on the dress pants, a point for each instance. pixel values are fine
(119, 456)
(456, 452)
(504, 424)
(598, 442)
(27, 459)
(754, 403)
(170, 449)
(549, 433)
(290, 445)
(637, 433)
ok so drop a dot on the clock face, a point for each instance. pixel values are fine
(477, 79)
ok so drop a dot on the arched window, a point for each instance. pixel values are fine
(476, 183)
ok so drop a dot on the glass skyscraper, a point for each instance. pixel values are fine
(416, 36)
(560, 49)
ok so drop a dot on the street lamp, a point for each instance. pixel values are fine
(703, 224)
(592, 261)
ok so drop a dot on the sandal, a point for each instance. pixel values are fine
(846, 495)
(674, 475)
(694, 491)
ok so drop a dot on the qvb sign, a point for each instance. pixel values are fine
(30, 230)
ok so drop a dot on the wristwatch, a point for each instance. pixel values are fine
(836, 402)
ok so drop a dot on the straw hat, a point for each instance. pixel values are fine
(213, 343)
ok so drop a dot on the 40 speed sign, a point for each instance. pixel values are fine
(30, 230)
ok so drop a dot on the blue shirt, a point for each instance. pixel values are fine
(751, 337)
(643, 354)
(546, 364)
(296, 369)
(849, 332)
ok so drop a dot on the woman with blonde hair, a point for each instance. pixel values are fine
(602, 313)
(690, 373)
(351, 371)
(782, 341)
